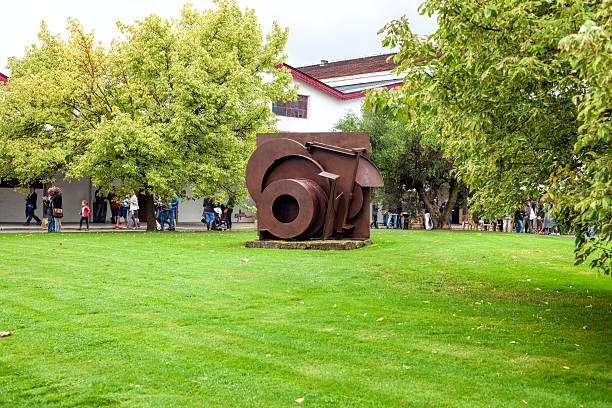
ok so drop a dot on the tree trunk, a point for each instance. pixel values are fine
(440, 220)
(151, 226)
(453, 192)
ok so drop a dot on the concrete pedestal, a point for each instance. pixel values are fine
(327, 245)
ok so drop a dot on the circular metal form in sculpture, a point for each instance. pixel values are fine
(292, 208)
(264, 157)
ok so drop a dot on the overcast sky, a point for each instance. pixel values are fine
(318, 29)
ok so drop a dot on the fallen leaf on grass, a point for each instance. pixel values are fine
(5, 333)
(380, 319)
(299, 400)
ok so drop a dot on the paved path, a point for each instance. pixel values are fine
(108, 227)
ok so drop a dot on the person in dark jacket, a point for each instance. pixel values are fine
(47, 207)
(518, 220)
(56, 204)
(31, 200)
(229, 209)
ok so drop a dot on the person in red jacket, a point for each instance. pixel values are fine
(85, 211)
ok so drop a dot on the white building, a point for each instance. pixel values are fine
(330, 90)
(327, 92)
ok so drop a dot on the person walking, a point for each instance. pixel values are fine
(85, 211)
(31, 200)
(57, 208)
(133, 201)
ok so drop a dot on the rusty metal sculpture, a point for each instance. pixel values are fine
(312, 185)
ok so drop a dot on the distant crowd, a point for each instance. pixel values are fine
(124, 211)
(396, 217)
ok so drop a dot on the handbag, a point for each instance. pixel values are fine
(57, 213)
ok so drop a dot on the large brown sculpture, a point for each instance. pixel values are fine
(312, 185)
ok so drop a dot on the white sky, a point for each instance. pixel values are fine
(318, 29)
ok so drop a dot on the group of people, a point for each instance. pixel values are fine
(165, 211)
(217, 216)
(52, 208)
(397, 217)
(533, 218)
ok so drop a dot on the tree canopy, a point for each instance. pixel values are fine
(172, 107)
(518, 92)
(408, 161)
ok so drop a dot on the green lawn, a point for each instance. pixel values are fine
(421, 319)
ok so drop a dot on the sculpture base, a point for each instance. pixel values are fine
(327, 245)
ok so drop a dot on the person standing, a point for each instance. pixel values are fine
(48, 212)
(85, 211)
(114, 206)
(122, 212)
(133, 200)
(57, 208)
(386, 215)
(99, 207)
(518, 220)
(229, 209)
(374, 223)
(208, 214)
(31, 200)
(173, 207)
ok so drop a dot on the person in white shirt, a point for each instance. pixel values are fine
(133, 200)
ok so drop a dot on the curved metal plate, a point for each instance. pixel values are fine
(368, 175)
(264, 156)
(296, 167)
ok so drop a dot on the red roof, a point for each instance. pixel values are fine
(376, 63)
(299, 74)
(3, 77)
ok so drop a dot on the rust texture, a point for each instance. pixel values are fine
(312, 185)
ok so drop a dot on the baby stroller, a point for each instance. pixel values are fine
(218, 224)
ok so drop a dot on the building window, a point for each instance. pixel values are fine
(297, 108)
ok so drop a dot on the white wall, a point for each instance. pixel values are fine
(324, 111)
(12, 203)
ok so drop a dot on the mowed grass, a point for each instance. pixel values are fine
(419, 319)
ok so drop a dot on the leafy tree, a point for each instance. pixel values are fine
(408, 161)
(519, 92)
(171, 108)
